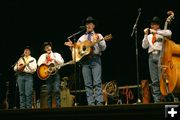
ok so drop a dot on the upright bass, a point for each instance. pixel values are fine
(170, 63)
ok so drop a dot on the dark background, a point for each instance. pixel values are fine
(33, 22)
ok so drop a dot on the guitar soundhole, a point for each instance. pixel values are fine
(84, 48)
(50, 69)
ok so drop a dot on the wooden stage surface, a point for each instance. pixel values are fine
(123, 111)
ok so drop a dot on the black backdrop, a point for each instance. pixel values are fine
(33, 22)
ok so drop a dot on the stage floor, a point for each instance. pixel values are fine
(109, 112)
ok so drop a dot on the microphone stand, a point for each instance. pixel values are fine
(74, 40)
(16, 62)
(137, 69)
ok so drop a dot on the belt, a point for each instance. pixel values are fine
(24, 73)
(155, 52)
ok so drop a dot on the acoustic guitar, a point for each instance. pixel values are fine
(81, 49)
(24, 65)
(44, 71)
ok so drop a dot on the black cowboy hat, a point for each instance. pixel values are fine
(27, 47)
(156, 20)
(90, 19)
(45, 44)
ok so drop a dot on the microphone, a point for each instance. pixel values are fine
(22, 55)
(82, 27)
(139, 10)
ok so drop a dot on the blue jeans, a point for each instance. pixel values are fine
(53, 86)
(154, 69)
(92, 71)
(25, 84)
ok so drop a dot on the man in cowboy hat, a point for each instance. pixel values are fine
(152, 40)
(53, 82)
(24, 68)
(91, 68)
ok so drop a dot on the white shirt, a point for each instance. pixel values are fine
(98, 47)
(147, 40)
(30, 68)
(57, 59)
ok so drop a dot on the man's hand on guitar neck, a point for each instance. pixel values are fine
(95, 38)
(69, 43)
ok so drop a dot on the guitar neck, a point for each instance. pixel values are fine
(97, 41)
(64, 64)
(67, 63)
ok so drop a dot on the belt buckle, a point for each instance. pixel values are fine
(155, 52)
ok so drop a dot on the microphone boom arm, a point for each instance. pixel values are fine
(75, 34)
(135, 25)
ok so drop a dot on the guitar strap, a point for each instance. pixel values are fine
(26, 64)
(23, 60)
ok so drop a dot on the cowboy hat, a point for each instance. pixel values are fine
(156, 20)
(90, 19)
(46, 44)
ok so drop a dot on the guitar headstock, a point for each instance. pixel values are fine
(31, 61)
(108, 37)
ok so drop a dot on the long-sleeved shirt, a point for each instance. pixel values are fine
(147, 40)
(98, 47)
(31, 64)
(56, 58)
